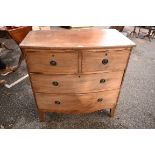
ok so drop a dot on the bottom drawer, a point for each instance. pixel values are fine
(77, 103)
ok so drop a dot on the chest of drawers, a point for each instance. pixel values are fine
(76, 71)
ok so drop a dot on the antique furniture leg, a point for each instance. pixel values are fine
(133, 32)
(112, 111)
(41, 116)
(153, 34)
(139, 31)
(148, 35)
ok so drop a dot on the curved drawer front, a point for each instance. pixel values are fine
(52, 62)
(104, 61)
(77, 103)
(76, 84)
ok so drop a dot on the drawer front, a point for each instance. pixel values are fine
(52, 62)
(77, 103)
(76, 84)
(104, 61)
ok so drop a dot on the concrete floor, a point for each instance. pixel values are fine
(136, 105)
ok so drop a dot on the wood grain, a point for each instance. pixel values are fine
(76, 38)
(77, 103)
(39, 62)
(79, 82)
(92, 61)
(18, 34)
(76, 83)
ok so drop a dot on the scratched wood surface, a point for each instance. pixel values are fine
(93, 61)
(76, 84)
(40, 62)
(89, 65)
(76, 38)
(77, 103)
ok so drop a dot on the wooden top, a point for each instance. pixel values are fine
(76, 38)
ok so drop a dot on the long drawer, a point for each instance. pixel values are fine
(83, 83)
(77, 103)
(52, 62)
(110, 60)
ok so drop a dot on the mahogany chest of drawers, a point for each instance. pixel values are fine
(76, 71)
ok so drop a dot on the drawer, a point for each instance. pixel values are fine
(77, 103)
(83, 83)
(52, 62)
(111, 60)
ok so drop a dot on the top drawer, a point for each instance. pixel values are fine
(49, 62)
(110, 60)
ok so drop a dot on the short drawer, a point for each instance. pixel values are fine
(76, 83)
(110, 60)
(77, 103)
(49, 62)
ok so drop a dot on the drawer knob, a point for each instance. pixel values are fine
(55, 83)
(104, 61)
(102, 81)
(57, 102)
(53, 63)
(99, 99)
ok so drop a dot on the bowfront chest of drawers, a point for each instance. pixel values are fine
(76, 71)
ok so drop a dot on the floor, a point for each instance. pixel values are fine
(136, 105)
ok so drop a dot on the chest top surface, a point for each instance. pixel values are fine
(76, 38)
